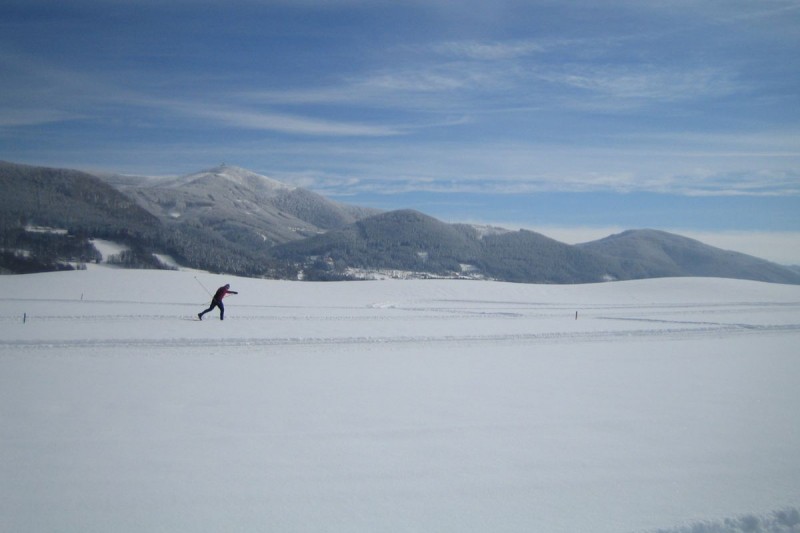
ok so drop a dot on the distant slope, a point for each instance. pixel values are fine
(75, 203)
(231, 220)
(239, 206)
(404, 240)
(652, 253)
(87, 207)
(61, 197)
(529, 257)
(409, 240)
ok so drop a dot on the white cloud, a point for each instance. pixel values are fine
(514, 107)
(286, 123)
(616, 86)
(483, 76)
(489, 50)
(420, 80)
(411, 164)
(35, 117)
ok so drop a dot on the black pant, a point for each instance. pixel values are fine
(216, 303)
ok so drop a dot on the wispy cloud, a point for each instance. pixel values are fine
(481, 76)
(749, 13)
(761, 182)
(284, 123)
(60, 93)
(489, 50)
(641, 84)
(542, 97)
(10, 118)
(712, 167)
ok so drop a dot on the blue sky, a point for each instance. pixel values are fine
(575, 118)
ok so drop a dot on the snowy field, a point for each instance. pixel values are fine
(394, 406)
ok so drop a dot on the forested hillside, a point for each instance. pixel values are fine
(652, 253)
(77, 206)
(230, 220)
(409, 240)
(403, 240)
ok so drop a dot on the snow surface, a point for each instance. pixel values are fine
(236, 175)
(108, 248)
(435, 406)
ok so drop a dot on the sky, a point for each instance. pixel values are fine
(574, 118)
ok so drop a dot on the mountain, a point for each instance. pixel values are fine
(402, 240)
(58, 197)
(47, 215)
(651, 253)
(230, 220)
(74, 206)
(411, 241)
(239, 206)
(529, 257)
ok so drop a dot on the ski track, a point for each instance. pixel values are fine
(630, 321)
(703, 329)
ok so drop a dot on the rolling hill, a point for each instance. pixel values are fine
(411, 241)
(230, 220)
(651, 254)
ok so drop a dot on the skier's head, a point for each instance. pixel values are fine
(227, 285)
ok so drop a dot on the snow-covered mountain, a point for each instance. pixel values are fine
(229, 219)
(239, 205)
(226, 175)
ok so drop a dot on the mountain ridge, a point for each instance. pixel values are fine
(408, 240)
(229, 219)
(233, 174)
(241, 206)
(667, 254)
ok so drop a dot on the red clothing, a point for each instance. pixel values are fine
(221, 292)
(216, 301)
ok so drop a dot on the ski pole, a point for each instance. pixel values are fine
(204, 287)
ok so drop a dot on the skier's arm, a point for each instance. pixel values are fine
(232, 292)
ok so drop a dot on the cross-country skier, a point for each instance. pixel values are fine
(216, 301)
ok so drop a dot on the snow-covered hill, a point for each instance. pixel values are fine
(229, 219)
(394, 406)
(240, 206)
(230, 176)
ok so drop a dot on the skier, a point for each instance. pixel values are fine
(216, 301)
